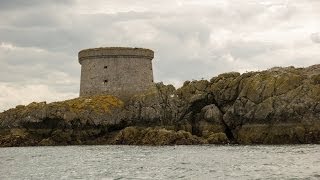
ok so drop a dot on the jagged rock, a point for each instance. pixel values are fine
(192, 89)
(279, 105)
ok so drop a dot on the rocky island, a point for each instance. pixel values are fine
(275, 106)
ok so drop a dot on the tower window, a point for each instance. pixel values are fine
(105, 81)
(105, 67)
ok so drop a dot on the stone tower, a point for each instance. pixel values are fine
(118, 71)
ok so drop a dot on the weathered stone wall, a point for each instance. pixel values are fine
(122, 72)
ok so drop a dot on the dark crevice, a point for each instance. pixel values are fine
(195, 108)
(227, 130)
(46, 123)
(117, 127)
(229, 134)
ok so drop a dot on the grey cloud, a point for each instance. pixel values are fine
(64, 39)
(249, 49)
(10, 5)
(27, 66)
(37, 20)
(68, 33)
(190, 42)
(182, 30)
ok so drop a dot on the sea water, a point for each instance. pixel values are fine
(161, 162)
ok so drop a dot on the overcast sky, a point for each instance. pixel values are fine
(192, 39)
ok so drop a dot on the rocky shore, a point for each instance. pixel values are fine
(276, 106)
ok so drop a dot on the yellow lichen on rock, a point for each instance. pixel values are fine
(218, 138)
(101, 103)
(33, 105)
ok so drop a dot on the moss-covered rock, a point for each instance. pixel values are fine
(218, 138)
(154, 136)
(275, 106)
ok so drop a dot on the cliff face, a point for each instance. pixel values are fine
(276, 106)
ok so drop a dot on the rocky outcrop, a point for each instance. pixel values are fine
(276, 106)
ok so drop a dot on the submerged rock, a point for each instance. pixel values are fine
(276, 106)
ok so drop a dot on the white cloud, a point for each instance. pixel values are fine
(12, 94)
(315, 37)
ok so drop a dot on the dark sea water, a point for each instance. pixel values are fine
(167, 162)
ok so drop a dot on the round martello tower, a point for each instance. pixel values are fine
(118, 71)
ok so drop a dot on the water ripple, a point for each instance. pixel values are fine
(165, 162)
